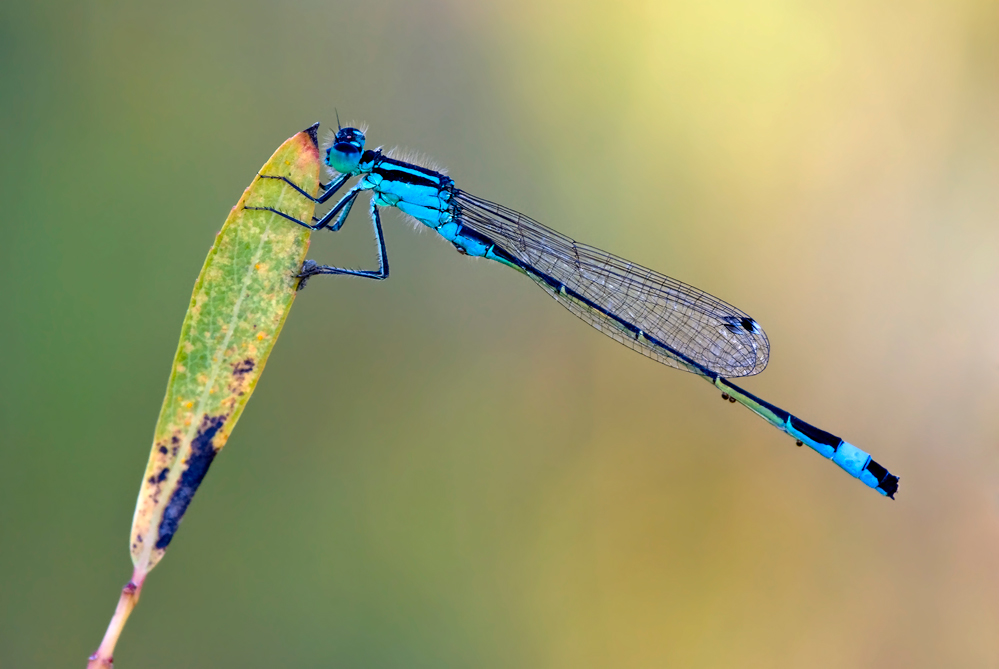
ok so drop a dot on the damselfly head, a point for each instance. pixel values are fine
(346, 150)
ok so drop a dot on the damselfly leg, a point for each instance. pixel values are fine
(328, 192)
(340, 211)
(310, 268)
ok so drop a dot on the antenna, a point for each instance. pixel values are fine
(338, 126)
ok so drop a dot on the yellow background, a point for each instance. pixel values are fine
(446, 469)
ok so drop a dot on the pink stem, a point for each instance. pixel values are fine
(104, 657)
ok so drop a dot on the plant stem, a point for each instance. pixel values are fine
(104, 657)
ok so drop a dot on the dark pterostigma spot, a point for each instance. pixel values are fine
(202, 454)
(243, 367)
(313, 132)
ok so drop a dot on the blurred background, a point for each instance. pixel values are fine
(447, 469)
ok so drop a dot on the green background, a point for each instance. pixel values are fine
(446, 469)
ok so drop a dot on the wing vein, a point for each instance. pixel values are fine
(658, 316)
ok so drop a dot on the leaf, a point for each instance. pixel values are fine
(240, 302)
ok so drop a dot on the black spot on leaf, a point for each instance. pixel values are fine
(202, 454)
(243, 367)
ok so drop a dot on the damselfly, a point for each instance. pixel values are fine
(662, 318)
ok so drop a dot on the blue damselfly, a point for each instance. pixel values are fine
(660, 317)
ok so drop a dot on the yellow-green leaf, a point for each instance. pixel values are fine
(239, 304)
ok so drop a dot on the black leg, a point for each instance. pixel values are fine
(327, 193)
(342, 208)
(332, 188)
(310, 268)
(282, 215)
(342, 218)
(343, 205)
